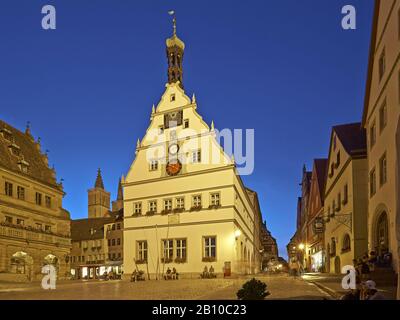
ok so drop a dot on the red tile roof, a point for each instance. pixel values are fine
(29, 153)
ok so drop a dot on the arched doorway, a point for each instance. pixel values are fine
(337, 265)
(21, 263)
(382, 234)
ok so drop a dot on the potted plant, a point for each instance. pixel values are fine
(253, 290)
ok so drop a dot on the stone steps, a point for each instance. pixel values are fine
(384, 276)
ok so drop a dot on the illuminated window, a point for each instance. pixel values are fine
(167, 249)
(21, 193)
(215, 199)
(38, 198)
(180, 203)
(181, 249)
(196, 201)
(210, 247)
(8, 189)
(153, 206)
(137, 208)
(168, 204)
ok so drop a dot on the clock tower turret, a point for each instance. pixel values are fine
(175, 50)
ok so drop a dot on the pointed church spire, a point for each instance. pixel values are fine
(99, 180)
(175, 48)
(120, 194)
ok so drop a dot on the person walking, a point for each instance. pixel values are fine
(294, 268)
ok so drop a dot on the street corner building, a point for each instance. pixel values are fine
(185, 204)
(381, 119)
(34, 227)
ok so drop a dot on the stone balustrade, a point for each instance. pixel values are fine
(27, 235)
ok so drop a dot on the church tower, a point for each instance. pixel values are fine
(175, 49)
(119, 203)
(98, 199)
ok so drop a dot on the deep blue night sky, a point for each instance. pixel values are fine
(285, 68)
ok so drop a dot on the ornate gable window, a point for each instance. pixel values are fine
(6, 134)
(23, 165)
(14, 149)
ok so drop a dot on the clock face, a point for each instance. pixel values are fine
(173, 168)
(173, 149)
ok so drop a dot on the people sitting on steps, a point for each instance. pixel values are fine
(365, 291)
(171, 274)
(208, 273)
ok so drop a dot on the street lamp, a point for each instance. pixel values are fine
(238, 233)
(301, 246)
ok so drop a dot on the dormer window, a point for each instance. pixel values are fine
(23, 165)
(14, 149)
(6, 134)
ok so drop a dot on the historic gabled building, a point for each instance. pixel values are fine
(314, 244)
(293, 251)
(34, 227)
(301, 234)
(269, 247)
(346, 197)
(97, 242)
(381, 119)
(185, 204)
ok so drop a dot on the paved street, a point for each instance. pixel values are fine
(280, 287)
(332, 284)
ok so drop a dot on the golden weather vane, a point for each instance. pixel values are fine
(172, 13)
